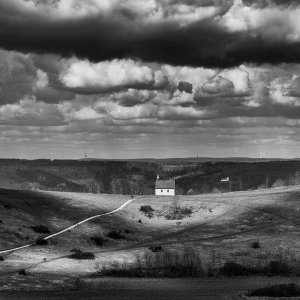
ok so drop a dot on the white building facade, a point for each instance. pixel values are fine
(165, 187)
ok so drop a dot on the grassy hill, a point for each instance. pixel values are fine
(222, 226)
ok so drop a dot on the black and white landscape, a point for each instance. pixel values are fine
(108, 108)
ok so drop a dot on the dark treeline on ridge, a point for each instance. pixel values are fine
(138, 177)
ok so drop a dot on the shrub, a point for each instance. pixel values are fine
(177, 213)
(41, 242)
(7, 206)
(40, 229)
(147, 210)
(275, 268)
(234, 269)
(255, 245)
(98, 240)
(278, 183)
(22, 272)
(115, 235)
(155, 248)
(75, 250)
(164, 263)
(279, 290)
(82, 255)
(1, 221)
(2, 258)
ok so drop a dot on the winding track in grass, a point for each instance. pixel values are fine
(70, 227)
(160, 238)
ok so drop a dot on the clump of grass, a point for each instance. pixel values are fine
(147, 210)
(279, 290)
(255, 245)
(40, 229)
(164, 263)
(98, 240)
(82, 255)
(41, 242)
(116, 235)
(22, 272)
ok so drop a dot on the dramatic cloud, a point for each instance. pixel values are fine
(141, 77)
(108, 75)
(218, 34)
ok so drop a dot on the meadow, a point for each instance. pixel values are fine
(251, 229)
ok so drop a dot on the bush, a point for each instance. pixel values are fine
(40, 229)
(177, 213)
(234, 269)
(279, 290)
(22, 272)
(164, 263)
(75, 250)
(147, 210)
(2, 258)
(275, 268)
(82, 255)
(278, 183)
(155, 248)
(255, 245)
(98, 240)
(115, 235)
(41, 242)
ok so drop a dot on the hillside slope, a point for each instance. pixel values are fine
(138, 177)
(222, 226)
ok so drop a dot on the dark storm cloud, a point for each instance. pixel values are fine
(200, 43)
(265, 3)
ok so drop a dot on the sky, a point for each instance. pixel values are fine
(149, 78)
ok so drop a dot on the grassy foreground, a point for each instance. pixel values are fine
(251, 229)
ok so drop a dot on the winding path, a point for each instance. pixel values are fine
(70, 227)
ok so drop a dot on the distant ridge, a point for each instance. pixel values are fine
(194, 159)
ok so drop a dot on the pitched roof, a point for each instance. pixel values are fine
(165, 184)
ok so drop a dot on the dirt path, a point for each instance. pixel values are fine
(68, 228)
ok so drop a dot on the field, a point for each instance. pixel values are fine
(222, 227)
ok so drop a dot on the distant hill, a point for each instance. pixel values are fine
(193, 176)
